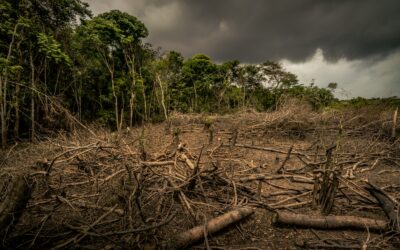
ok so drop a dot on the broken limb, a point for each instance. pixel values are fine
(387, 204)
(214, 225)
(329, 222)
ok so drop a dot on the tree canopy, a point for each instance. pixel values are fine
(58, 62)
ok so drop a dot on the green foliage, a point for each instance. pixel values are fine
(101, 71)
(52, 49)
(332, 86)
(360, 102)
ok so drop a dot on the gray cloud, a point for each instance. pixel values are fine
(256, 30)
(367, 78)
(360, 39)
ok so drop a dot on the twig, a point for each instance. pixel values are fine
(137, 230)
(286, 159)
(85, 232)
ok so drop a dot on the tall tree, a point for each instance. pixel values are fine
(115, 37)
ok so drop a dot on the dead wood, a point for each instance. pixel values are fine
(234, 136)
(394, 123)
(90, 175)
(266, 177)
(188, 162)
(329, 222)
(326, 184)
(330, 243)
(86, 204)
(192, 182)
(281, 169)
(17, 192)
(274, 150)
(387, 204)
(214, 225)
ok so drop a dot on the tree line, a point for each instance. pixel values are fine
(55, 57)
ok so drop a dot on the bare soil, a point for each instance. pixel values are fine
(131, 190)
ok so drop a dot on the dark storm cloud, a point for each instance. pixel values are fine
(256, 30)
(358, 40)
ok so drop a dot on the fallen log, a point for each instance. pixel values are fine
(386, 203)
(14, 195)
(329, 222)
(214, 225)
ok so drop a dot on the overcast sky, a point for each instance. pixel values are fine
(355, 43)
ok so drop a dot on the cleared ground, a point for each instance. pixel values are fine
(140, 188)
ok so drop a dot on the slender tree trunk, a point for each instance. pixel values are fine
(3, 110)
(144, 101)
(130, 62)
(195, 97)
(110, 66)
(33, 86)
(132, 97)
(115, 99)
(17, 97)
(46, 102)
(17, 117)
(80, 99)
(2, 116)
(121, 120)
(394, 124)
(131, 108)
(162, 98)
(3, 92)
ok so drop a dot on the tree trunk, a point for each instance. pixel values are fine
(329, 222)
(162, 98)
(131, 108)
(144, 101)
(115, 99)
(17, 111)
(33, 86)
(3, 92)
(2, 116)
(195, 98)
(187, 238)
(132, 97)
(394, 125)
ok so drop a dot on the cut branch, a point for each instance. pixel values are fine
(214, 225)
(329, 222)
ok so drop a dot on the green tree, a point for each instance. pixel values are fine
(115, 37)
(25, 23)
(198, 75)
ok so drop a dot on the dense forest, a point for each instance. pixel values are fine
(60, 62)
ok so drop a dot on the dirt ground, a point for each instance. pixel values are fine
(140, 188)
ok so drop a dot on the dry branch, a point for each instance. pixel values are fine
(282, 167)
(394, 125)
(265, 177)
(214, 225)
(85, 204)
(386, 203)
(273, 150)
(329, 222)
(17, 194)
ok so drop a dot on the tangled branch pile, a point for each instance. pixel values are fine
(147, 186)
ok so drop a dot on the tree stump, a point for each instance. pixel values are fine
(326, 183)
